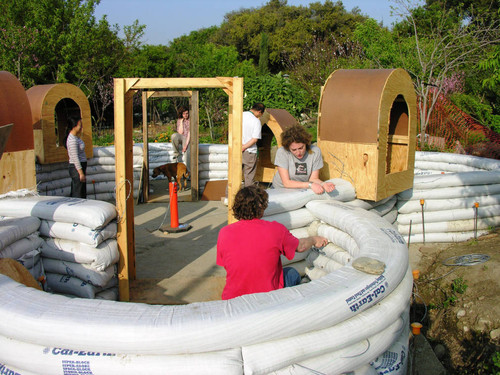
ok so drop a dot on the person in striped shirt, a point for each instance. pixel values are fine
(77, 159)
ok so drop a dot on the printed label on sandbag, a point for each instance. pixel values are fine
(6, 371)
(393, 235)
(390, 362)
(78, 353)
(368, 294)
(76, 368)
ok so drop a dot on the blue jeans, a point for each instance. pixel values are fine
(291, 276)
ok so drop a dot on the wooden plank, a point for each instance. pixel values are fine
(400, 139)
(145, 147)
(17, 171)
(124, 186)
(214, 190)
(172, 94)
(265, 173)
(234, 143)
(356, 163)
(193, 149)
(395, 183)
(397, 158)
(174, 83)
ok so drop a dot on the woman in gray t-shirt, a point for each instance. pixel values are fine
(299, 163)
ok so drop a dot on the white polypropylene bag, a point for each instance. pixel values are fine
(20, 247)
(13, 229)
(91, 213)
(100, 257)
(285, 200)
(77, 232)
(82, 271)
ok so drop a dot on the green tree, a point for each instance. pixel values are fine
(439, 46)
(264, 54)
(196, 56)
(275, 91)
(378, 43)
(432, 43)
(18, 52)
(50, 41)
(319, 59)
(290, 28)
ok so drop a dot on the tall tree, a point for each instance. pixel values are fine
(432, 44)
(264, 54)
(48, 41)
(290, 28)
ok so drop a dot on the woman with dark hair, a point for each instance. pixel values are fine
(182, 136)
(77, 159)
(299, 162)
(250, 250)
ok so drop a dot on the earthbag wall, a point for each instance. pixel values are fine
(449, 206)
(341, 300)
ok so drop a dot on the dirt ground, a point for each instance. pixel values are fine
(459, 305)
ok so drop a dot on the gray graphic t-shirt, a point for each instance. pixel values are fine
(298, 169)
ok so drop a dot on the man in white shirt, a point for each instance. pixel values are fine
(251, 133)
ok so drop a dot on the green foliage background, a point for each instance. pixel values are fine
(285, 54)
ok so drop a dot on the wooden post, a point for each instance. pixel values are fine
(124, 89)
(145, 150)
(124, 186)
(234, 144)
(194, 122)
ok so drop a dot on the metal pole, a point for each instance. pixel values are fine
(422, 201)
(476, 206)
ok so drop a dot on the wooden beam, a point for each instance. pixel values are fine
(234, 143)
(124, 186)
(173, 83)
(228, 83)
(145, 147)
(129, 83)
(171, 94)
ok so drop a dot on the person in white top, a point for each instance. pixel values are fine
(251, 133)
(77, 160)
(181, 139)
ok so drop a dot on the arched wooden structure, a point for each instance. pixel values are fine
(17, 164)
(194, 122)
(124, 90)
(367, 130)
(274, 122)
(51, 105)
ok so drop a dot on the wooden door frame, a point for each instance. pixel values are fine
(124, 90)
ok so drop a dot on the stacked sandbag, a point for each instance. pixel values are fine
(385, 208)
(212, 163)
(356, 319)
(441, 162)
(53, 179)
(287, 206)
(101, 179)
(450, 206)
(20, 240)
(80, 253)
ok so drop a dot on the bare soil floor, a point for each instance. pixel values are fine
(459, 305)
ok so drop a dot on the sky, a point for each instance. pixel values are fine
(166, 20)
